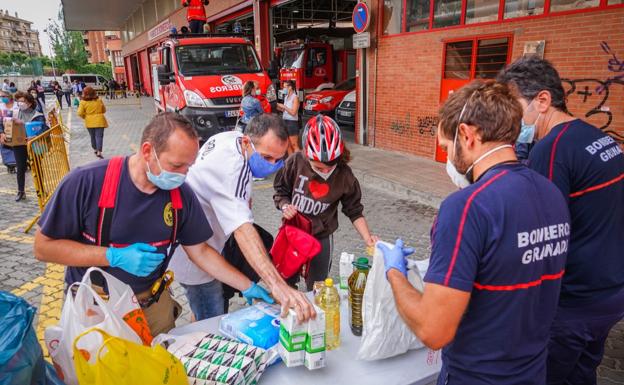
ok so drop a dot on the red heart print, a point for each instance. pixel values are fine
(318, 189)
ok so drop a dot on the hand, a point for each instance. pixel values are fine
(138, 259)
(256, 291)
(372, 240)
(2, 138)
(280, 106)
(394, 258)
(289, 211)
(293, 298)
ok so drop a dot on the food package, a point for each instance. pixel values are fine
(210, 359)
(15, 132)
(346, 268)
(256, 325)
(303, 344)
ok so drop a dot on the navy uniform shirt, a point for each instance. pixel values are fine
(138, 217)
(504, 240)
(588, 167)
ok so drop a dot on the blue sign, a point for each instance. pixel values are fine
(361, 17)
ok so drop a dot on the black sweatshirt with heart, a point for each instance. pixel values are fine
(296, 183)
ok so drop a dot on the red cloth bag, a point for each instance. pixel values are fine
(294, 246)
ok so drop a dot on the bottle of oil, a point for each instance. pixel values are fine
(357, 283)
(330, 303)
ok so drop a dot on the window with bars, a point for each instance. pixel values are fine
(476, 58)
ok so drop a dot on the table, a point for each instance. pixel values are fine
(419, 367)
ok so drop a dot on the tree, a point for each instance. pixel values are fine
(69, 48)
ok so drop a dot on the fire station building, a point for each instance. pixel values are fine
(419, 51)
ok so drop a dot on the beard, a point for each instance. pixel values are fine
(459, 162)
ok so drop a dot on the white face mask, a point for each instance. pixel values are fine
(22, 106)
(462, 180)
(324, 175)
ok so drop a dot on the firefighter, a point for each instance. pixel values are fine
(196, 14)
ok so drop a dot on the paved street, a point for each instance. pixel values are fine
(389, 216)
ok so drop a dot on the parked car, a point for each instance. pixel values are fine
(325, 102)
(345, 113)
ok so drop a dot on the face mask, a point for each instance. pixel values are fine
(324, 175)
(258, 92)
(166, 180)
(22, 106)
(527, 131)
(260, 167)
(285, 90)
(5, 100)
(464, 180)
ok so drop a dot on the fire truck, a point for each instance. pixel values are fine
(316, 65)
(201, 76)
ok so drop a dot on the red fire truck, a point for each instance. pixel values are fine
(315, 63)
(202, 78)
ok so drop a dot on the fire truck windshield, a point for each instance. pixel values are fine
(213, 59)
(292, 58)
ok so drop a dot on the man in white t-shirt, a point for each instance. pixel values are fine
(222, 180)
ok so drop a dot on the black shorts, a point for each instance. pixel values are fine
(292, 126)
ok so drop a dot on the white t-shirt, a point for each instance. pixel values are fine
(221, 179)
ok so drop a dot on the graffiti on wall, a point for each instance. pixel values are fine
(593, 94)
(423, 125)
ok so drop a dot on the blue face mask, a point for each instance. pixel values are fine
(260, 167)
(166, 180)
(285, 91)
(5, 100)
(527, 132)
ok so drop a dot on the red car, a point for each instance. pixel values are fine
(326, 101)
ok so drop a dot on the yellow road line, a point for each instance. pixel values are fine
(263, 186)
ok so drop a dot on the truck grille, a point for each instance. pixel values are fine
(227, 100)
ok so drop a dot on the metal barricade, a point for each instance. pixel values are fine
(49, 163)
(120, 98)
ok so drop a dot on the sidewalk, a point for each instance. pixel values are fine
(409, 176)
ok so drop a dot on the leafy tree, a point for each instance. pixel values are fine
(69, 48)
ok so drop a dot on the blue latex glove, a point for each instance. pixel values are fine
(138, 259)
(256, 291)
(394, 258)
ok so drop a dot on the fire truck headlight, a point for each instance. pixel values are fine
(193, 99)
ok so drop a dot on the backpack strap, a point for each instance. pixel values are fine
(106, 204)
(176, 206)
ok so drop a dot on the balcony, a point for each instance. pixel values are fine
(85, 15)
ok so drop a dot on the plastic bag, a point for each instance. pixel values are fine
(256, 325)
(21, 359)
(385, 334)
(121, 362)
(82, 312)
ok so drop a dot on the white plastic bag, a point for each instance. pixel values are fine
(84, 311)
(384, 334)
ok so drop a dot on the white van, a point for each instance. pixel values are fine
(91, 80)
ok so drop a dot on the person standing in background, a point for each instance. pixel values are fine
(291, 115)
(67, 91)
(26, 112)
(92, 110)
(195, 14)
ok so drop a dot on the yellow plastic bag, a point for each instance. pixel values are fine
(121, 362)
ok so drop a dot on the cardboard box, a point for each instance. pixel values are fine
(315, 341)
(15, 133)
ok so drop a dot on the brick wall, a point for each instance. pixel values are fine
(409, 70)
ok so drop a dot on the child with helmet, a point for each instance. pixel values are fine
(313, 181)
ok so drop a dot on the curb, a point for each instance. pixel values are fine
(390, 186)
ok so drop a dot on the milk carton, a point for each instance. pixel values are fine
(292, 340)
(315, 341)
(346, 268)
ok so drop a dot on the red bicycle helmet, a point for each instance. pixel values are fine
(323, 139)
